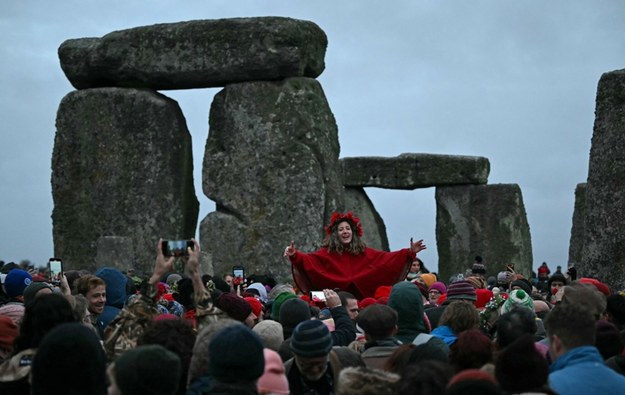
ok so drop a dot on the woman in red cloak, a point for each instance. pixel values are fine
(346, 263)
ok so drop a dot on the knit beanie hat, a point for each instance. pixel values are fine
(260, 288)
(292, 312)
(235, 306)
(14, 311)
(478, 267)
(172, 279)
(69, 360)
(277, 304)
(366, 381)
(149, 369)
(236, 355)
(483, 296)
(366, 302)
(557, 276)
(255, 304)
(311, 339)
(16, 281)
(8, 332)
(428, 279)
(382, 291)
(520, 367)
(524, 284)
(271, 333)
(477, 282)
(517, 298)
(504, 277)
(461, 290)
(31, 291)
(473, 381)
(273, 380)
(439, 286)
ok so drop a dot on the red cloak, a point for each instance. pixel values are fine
(359, 274)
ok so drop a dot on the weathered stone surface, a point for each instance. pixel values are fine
(373, 228)
(576, 245)
(121, 166)
(196, 54)
(486, 220)
(411, 171)
(604, 228)
(115, 251)
(271, 166)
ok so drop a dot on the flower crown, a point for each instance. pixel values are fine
(340, 217)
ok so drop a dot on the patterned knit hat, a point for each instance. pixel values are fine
(478, 267)
(461, 290)
(16, 281)
(477, 282)
(236, 354)
(311, 339)
(504, 277)
(517, 298)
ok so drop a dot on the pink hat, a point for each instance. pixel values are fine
(273, 380)
(8, 332)
(13, 311)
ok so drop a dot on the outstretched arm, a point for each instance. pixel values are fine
(290, 250)
(418, 246)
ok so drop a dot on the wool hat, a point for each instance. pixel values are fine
(359, 380)
(428, 279)
(483, 296)
(172, 279)
(273, 380)
(311, 339)
(439, 286)
(520, 368)
(292, 312)
(382, 291)
(473, 381)
(557, 276)
(260, 288)
(478, 268)
(271, 333)
(257, 307)
(517, 298)
(235, 306)
(601, 287)
(16, 281)
(366, 302)
(277, 304)
(149, 369)
(504, 277)
(8, 332)
(69, 360)
(522, 283)
(236, 355)
(477, 282)
(461, 290)
(14, 311)
(31, 291)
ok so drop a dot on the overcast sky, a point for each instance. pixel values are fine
(511, 81)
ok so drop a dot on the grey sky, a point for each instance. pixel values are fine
(512, 81)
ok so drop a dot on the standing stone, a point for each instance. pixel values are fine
(604, 228)
(196, 54)
(271, 166)
(373, 228)
(577, 230)
(115, 251)
(121, 166)
(485, 220)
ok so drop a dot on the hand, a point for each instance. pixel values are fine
(289, 251)
(64, 285)
(332, 298)
(193, 260)
(162, 265)
(417, 247)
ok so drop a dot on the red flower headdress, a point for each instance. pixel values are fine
(340, 217)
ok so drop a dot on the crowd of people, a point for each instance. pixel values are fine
(169, 332)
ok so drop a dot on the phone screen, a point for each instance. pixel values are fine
(238, 271)
(317, 295)
(176, 248)
(56, 268)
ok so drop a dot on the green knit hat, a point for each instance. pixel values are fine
(280, 299)
(148, 370)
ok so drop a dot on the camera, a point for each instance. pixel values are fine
(176, 248)
(238, 272)
(317, 295)
(55, 268)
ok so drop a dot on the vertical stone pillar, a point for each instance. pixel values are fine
(604, 228)
(485, 220)
(121, 166)
(271, 166)
(576, 245)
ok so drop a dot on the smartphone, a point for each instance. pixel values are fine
(55, 268)
(238, 271)
(176, 248)
(317, 295)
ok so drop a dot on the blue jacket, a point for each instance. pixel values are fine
(582, 371)
(445, 334)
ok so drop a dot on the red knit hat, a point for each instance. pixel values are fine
(8, 332)
(366, 302)
(382, 291)
(483, 296)
(257, 307)
(601, 287)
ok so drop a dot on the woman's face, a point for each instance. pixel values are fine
(344, 231)
(416, 267)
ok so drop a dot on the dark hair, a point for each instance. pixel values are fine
(378, 321)
(177, 336)
(333, 244)
(616, 309)
(511, 325)
(41, 316)
(426, 378)
(422, 267)
(184, 293)
(460, 316)
(573, 324)
(398, 359)
(344, 296)
(472, 350)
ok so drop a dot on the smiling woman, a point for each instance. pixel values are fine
(346, 263)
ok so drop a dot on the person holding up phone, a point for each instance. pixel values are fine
(346, 263)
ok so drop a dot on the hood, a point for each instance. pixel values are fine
(115, 286)
(578, 355)
(407, 301)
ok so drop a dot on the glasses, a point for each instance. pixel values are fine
(434, 292)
